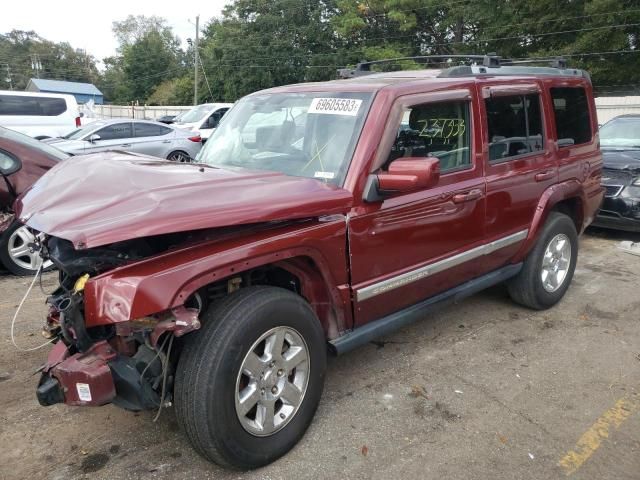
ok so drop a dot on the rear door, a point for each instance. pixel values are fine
(117, 136)
(519, 162)
(411, 246)
(152, 139)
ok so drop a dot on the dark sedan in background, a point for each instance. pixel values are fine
(23, 160)
(620, 143)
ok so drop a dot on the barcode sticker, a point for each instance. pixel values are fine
(335, 106)
(84, 392)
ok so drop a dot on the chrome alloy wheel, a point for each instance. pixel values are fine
(179, 157)
(21, 253)
(556, 262)
(272, 381)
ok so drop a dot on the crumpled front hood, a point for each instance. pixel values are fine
(105, 198)
(621, 159)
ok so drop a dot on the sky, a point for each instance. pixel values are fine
(87, 24)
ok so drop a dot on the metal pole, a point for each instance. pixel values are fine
(196, 61)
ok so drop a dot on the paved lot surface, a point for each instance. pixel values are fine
(483, 389)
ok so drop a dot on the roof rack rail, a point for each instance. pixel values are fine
(553, 62)
(490, 60)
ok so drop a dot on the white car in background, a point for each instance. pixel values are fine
(39, 115)
(139, 136)
(203, 119)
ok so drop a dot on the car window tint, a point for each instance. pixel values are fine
(115, 132)
(435, 130)
(8, 163)
(149, 130)
(571, 110)
(32, 106)
(515, 126)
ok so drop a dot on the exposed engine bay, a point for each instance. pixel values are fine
(132, 363)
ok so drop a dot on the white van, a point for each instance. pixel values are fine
(203, 119)
(39, 115)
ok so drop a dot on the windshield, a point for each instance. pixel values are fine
(81, 132)
(195, 114)
(300, 134)
(621, 133)
(33, 143)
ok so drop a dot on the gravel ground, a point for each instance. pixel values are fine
(482, 389)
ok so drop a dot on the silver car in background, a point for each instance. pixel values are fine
(138, 136)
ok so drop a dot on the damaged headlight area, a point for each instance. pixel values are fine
(130, 364)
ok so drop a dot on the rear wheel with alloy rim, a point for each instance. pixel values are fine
(548, 269)
(17, 253)
(179, 157)
(249, 382)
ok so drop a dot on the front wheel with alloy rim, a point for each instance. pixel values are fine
(249, 382)
(17, 253)
(548, 269)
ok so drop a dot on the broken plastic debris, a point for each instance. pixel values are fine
(630, 247)
(459, 392)
(518, 375)
(531, 456)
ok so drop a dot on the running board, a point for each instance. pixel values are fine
(409, 315)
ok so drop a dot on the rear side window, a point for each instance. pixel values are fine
(435, 130)
(515, 126)
(149, 130)
(15, 105)
(115, 132)
(571, 109)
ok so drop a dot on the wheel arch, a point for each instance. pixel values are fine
(566, 197)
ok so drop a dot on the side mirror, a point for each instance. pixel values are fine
(409, 174)
(94, 138)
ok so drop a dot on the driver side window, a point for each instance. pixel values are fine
(435, 130)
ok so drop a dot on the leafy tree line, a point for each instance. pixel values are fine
(257, 44)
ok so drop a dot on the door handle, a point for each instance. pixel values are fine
(470, 196)
(166, 141)
(125, 145)
(541, 177)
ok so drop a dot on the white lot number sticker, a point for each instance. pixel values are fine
(325, 175)
(84, 392)
(335, 106)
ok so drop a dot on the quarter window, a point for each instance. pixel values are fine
(150, 130)
(435, 130)
(515, 126)
(115, 132)
(571, 110)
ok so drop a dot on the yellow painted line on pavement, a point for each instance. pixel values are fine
(591, 439)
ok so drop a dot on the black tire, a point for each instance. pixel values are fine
(527, 288)
(179, 157)
(6, 258)
(208, 369)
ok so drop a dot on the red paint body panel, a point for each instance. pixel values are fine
(35, 163)
(89, 368)
(166, 281)
(101, 199)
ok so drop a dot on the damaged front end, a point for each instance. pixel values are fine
(129, 364)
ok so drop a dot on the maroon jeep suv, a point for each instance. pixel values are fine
(317, 217)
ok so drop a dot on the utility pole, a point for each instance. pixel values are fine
(196, 61)
(9, 80)
(35, 64)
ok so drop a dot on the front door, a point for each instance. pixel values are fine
(117, 136)
(408, 247)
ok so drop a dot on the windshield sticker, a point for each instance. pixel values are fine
(325, 175)
(335, 106)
